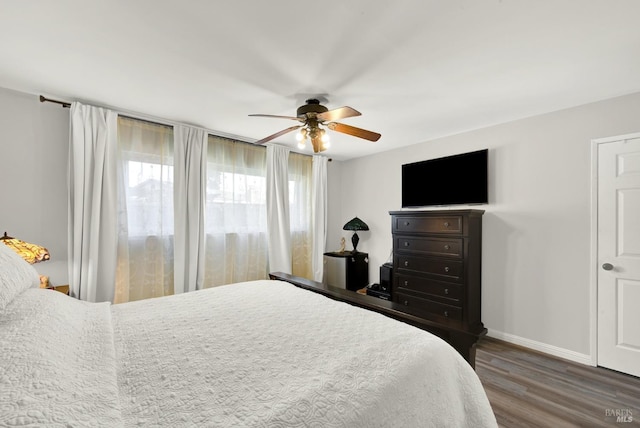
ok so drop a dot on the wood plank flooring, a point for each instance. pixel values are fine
(527, 388)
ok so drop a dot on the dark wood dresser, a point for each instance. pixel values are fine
(437, 267)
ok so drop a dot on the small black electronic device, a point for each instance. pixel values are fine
(375, 290)
(382, 290)
(386, 271)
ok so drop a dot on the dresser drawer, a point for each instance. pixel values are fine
(446, 291)
(440, 309)
(450, 270)
(430, 246)
(441, 224)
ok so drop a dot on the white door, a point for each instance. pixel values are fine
(618, 258)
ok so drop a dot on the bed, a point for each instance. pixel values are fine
(256, 354)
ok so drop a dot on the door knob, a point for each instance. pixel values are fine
(607, 266)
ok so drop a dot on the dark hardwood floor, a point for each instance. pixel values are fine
(527, 388)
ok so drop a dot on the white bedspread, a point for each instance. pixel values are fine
(57, 363)
(256, 354)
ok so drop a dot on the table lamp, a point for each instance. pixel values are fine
(31, 253)
(355, 224)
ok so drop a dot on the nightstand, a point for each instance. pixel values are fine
(64, 289)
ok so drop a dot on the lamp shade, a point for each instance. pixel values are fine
(32, 253)
(355, 224)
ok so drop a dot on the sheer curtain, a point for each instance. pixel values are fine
(92, 202)
(278, 220)
(145, 210)
(235, 212)
(319, 215)
(300, 213)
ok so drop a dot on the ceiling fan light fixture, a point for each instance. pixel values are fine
(301, 135)
(312, 116)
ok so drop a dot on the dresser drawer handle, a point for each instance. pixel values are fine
(446, 224)
(446, 291)
(446, 247)
(406, 303)
(406, 243)
(406, 283)
(446, 313)
(446, 269)
(406, 223)
(406, 263)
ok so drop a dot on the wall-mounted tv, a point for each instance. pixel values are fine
(452, 180)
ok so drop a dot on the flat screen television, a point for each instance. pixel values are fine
(452, 180)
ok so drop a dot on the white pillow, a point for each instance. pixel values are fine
(16, 275)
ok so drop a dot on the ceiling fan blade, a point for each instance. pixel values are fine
(277, 134)
(338, 113)
(352, 130)
(279, 117)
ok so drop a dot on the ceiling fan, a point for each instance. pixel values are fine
(313, 116)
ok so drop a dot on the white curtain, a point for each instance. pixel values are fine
(145, 210)
(92, 202)
(278, 223)
(156, 211)
(236, 214)
(300, 214)
(319, 215)
(190, 172)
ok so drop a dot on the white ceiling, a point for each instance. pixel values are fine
(416, 69)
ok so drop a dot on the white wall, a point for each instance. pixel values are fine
(536, 254)
(34, 141)
(335, 219)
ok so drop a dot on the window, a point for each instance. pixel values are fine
(145, 210)
(235, 212)
(235, 225)
(300, 173)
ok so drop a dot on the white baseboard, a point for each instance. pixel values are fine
(542, 347)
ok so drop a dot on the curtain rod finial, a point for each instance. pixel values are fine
(62, 103)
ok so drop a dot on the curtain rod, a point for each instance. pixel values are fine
(67, 105)
(62, 103)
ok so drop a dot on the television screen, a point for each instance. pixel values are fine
(452, 180)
